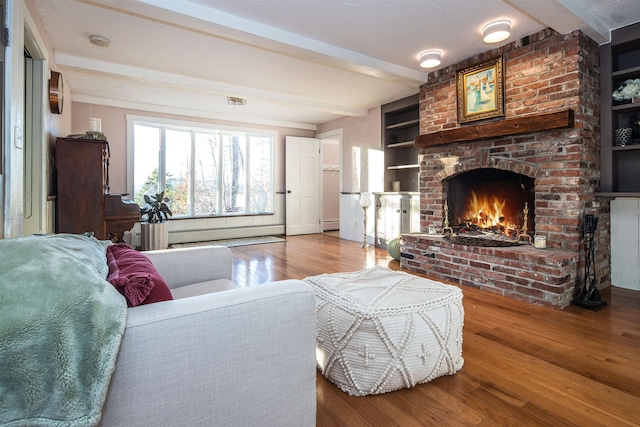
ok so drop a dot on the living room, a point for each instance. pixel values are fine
(91, 86)
(99, 86)
(119, 98)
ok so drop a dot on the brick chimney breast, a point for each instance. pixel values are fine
(543, 73)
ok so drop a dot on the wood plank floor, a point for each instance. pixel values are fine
(524, 365)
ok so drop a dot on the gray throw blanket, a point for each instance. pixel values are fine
(61, 324)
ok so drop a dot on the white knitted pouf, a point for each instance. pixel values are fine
(381, 330)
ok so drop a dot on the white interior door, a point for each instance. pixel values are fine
(303, 182)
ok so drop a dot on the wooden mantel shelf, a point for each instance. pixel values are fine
(513, 126)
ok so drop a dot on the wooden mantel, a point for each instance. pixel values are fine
(512, 126)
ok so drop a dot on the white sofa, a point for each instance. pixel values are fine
(217, 355)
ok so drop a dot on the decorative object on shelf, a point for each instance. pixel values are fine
(630, 90)
(623, 135)
(540, 242)
(393, 247)
(154, 233)
(56, 93)
(395, 186)
(95, 135)
(365, 202)
(95, 124)
(480, 91)
(95, 129)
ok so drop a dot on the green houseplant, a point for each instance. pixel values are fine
(156, 209)
(154, 233)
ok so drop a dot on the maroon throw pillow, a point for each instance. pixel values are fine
(135, 277)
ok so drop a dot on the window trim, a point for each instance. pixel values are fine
(182, 125)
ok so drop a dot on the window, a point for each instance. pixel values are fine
(204, 171)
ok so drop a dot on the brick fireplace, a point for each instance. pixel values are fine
(548, 77)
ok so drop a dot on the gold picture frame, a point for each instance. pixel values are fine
(480, 91)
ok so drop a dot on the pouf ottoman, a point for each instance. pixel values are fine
(381, 330)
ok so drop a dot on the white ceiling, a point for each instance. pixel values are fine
(298, 63)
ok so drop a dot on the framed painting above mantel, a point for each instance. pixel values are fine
(480, 91)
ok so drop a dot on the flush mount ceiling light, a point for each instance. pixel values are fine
(236, 100)
(496, 31)
(430, 58)
(99, 40)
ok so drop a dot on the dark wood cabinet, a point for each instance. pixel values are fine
(400, 127)
(619, 61)
(84, 203)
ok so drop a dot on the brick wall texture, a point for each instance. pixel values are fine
(545, 72)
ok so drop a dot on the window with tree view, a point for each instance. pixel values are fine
(203, 171)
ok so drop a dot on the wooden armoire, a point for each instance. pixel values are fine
(84, 203)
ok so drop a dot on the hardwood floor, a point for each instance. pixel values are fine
(524, 365)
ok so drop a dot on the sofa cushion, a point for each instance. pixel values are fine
(135, 277)
(202, 288)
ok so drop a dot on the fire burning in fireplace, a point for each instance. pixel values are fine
(490, 203)
(488, 212)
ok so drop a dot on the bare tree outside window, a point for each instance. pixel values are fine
(206, 174)
(233, 150)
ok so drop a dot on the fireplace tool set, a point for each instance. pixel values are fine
(589, 296)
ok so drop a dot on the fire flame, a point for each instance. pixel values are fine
(487, 212)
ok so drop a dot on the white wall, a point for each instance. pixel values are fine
(625, 243)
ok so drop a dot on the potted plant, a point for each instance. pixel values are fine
(154, 233)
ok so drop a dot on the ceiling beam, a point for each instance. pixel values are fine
(564, 16)
(199, 85)
(288, 43)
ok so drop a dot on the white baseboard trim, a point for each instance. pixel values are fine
(188, 236)
(331, 224)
